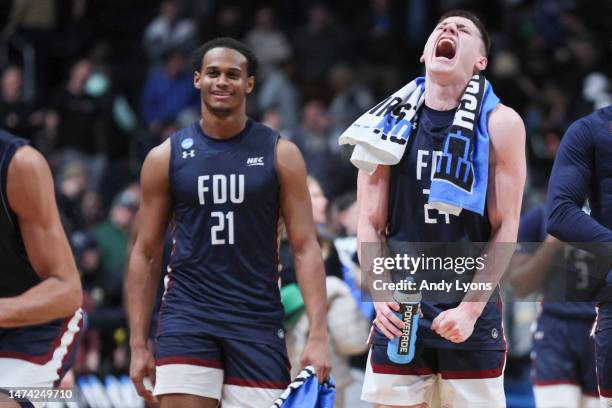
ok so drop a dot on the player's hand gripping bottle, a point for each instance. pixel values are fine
(401, 349)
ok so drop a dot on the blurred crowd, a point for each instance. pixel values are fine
(96, 85)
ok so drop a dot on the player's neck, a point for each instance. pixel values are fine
(443, 96)
(222, 126)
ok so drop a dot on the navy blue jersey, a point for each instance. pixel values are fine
(411, 219)
(583, 168)
(33, 343)
(575, 275)
(222, 277)
(16, 274)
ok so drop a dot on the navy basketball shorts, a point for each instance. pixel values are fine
(563, 363)
(39, 356)
(238, 373)
(603, 352)
(455, 378)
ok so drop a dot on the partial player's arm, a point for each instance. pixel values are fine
(145, 261)
(568, 189)
(31, 196)
(504, 199)
(373, 207)
(297, 212)
(530, 265)
(373, 203)
(528, 271)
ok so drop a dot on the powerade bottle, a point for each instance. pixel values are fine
(401, 349)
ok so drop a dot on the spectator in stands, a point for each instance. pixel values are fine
(17, 116)
(279, 92)
(229, 21)
(269, 44)
(313, 138)
(168, 31)
(351, 98)
(378, 37)
(87, 258)
(72, 185)
(319, 45)
(112, 234)
(81, 122)
(91, 209)
(272, 119)
(168, 92)
(103, 301)
(34, 22)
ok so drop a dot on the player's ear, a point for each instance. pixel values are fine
(196, 79)
(422, 59)
(250, 84)
(481, 63)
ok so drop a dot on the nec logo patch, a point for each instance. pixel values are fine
(255, 161)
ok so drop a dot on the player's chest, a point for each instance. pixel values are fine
(225, 180)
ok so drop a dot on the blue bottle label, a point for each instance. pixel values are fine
(401, 349)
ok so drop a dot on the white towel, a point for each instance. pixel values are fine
(380, 134)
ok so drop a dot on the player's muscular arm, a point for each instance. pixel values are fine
(145, 260)
(297, 212)
(31, 196)
(504, 197)
(568, 188)
(373, 203)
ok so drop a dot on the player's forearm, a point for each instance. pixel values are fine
(310, 274)
(367, 234)
(142, 283)
(370, 245)
(567, 222)
(527, 277)
(498, 254)
(49, 300)
(528, 274)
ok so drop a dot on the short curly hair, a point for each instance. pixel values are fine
(225, 42)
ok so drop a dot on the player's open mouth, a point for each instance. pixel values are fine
(446, 48)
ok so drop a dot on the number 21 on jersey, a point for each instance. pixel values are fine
(222, 232)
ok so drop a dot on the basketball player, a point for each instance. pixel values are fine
(563, 350)
(462, 349)
(40, 289)
(224, 181)
(583, 168)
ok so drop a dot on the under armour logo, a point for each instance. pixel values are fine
(255, 161)
(190, 153)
